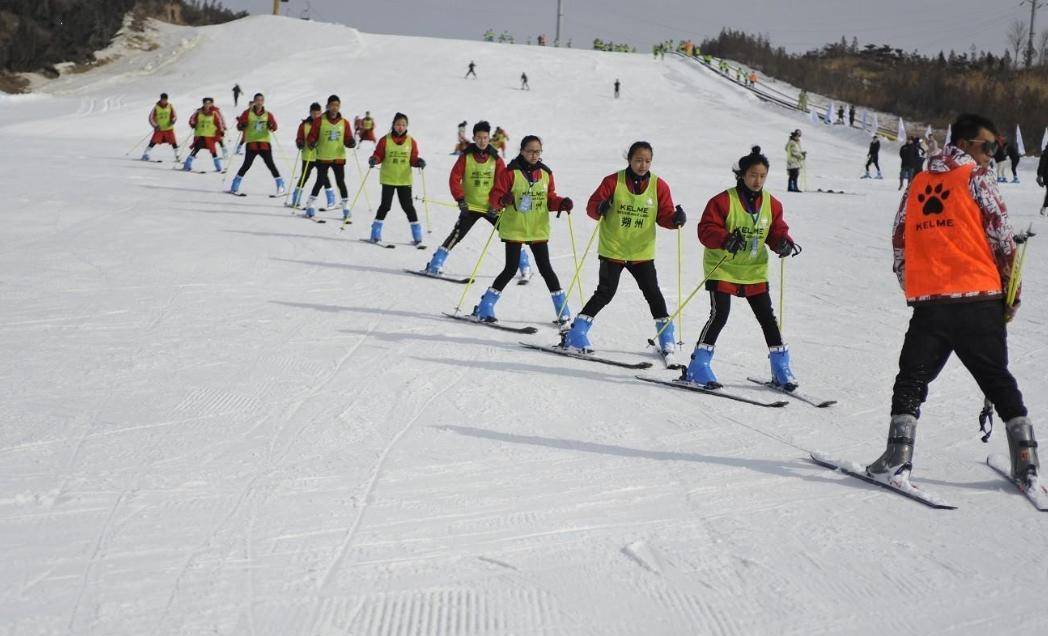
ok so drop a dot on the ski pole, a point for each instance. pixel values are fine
(782, 292)
(473, 274)
(1018, 262)
(294, 171)
(578, 269)
(804, 173)
(363, 182)
(280, 149)
(692, 295)
(445, 204)
(680, 291)
(360, 171)
(138, 143)
(425, 200)
(575, 257)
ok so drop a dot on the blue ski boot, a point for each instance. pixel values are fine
(235, 186)
(187, 165)
(780, 368)
(376, 231)
(577, 338)
(699, 371)
(560, 304)
(416, 233)
(311, 207)
(435, 267)
(145, 156)
(485, 310)
(218, 164)
(281, 186)
(345, 210)
(296, 196)
(667, 336)
(330, 194)
(1015, 179)
(524, 266)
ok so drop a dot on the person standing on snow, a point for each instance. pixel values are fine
(472, 70)
(736, 229)
(524, 82)
(999, 157)
(873, 157)
(617, 85)
(1042, 180)
(308, 156)
(526, 195)
(398, 154)
(802, 101)
(794, 161)
(236, 94)
(330, 135)
(954, 253)
(366, 132)
(909, 156)
(499, 139)
(461, 142)
(627, 205)
(472, 178)
(851, 116)
(162, 118)
(208, 127)
(1013, 156)
(257, 124)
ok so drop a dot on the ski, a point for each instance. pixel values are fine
(669, 359)
(493, 325)
(1038, 495)
(587, 356)
(807, 399)
(821, 191)
(312, 218)
(688, 386)
(277, 196)
(236, 194)
(388, 246)
(524, 280)
(903, 487)
(424, 273)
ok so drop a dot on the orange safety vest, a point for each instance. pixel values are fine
(946, 250)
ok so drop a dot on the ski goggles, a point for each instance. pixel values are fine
(989, 147)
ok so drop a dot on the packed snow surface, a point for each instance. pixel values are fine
(218, 418)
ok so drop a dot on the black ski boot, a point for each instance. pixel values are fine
(1022, 447)
(896, 461)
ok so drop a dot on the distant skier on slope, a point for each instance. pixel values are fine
(524, 82)
(472, 70)
(208, 126)
(617, 85)
(736, 229)
(909, 156)
(236, 94)
(873, 157)
(954, 273)
(366, 130)
(330, 135)
(162, 118)
(398, 153)
(1014, 157)
(461, 142)
(472, 178)
(1042, 180)
(628, 205)
(1000, 156)
(500, 139)
(257, 124)
(794, 161)
(309, 156)
(527, 196)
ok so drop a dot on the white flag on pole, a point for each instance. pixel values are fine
(814, 116)
(876, 124)
(928, 131)
(949, 132)
(865, 114)
(1019, 141)
(902, 131)
(1044, 140)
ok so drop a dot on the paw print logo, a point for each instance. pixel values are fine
(932, 199)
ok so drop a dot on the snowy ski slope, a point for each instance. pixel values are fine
(216, 418)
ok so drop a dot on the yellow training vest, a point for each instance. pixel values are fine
(162, 116)
(477, 182)
(206, 125)
(750, 264)
(396, 165)
(257, 130)
(331, 144)
(526, 220)
(627, 232)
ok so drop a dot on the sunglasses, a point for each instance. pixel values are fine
(988, 147)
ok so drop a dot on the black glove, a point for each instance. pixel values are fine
(350, 142)
(420, 164)
(603, 207)
(566, 205)
(1022, 237)
(372, 162)
(301, 146)
(735, 242)
(463, 206)
(492, 216)
(679, 217)
(787, 248)
(1040, 181)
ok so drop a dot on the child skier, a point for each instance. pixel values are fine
(309, 156)
(873, 157)
(162, 118)
(499, 139)
(330, 136)
(367, 128)
(794, 161)
(461, 142)
(628, 205)
(734, 229)
(257, 124)
(208, 126)
(398, 154)
(472, 178)
(526, 194)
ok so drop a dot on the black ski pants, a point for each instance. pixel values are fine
(406, 204)
(792, 174)
(465, 222)
(339, 170)
(873, 160)
(720, 307)
(541, 253)
(249, 158)
(608, 282)
(976, 332)
(303, 177)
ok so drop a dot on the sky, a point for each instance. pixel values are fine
(800, 25)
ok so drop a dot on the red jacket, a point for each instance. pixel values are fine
(220, 122)
(504, 184)
(152, 114)
(713, 230)
(606, 190)
(380, 149)
(459, 169)
(242, 124)
(314, 135)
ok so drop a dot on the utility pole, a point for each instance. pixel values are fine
(560, 18)
(1034, 6)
